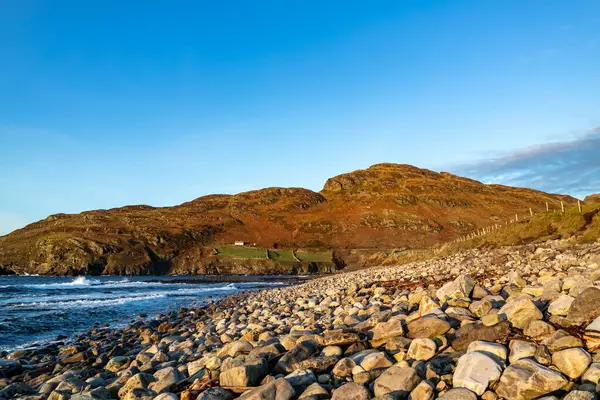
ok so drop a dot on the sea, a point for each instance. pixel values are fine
(35, 310)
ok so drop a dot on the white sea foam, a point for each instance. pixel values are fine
(87, 302)
(75, 283)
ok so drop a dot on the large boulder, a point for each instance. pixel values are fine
(427, 327)
(397, 381)
(572, 362)
(279, 389)
(459, 288)
(300, 352)
(525, 380)
(351, 391)
(476, 371)
(243, 371)
(470, 333)
(520, 312)
(584, 308)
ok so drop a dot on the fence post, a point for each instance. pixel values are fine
(530, 211)
(547, 207)
(517, 217)
(562, 207)
(579, 206)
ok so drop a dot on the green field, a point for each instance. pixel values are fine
(241, 252)
(282, 255)
(278, 255)
(322, 256)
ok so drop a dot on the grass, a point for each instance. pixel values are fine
(282, 255)
(277, 255)
(582, 227)
(323, 256)
(241, 252)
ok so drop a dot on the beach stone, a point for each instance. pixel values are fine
(526, 380)
(385, 330)
(458, 394)
(140, 394)
(279, 389)
(244, 373)
(584, 308)
(166, 378)
(314, 392)
(561, 305)
(572, 362)
(140, 380)
(301, 377)
(332, 351)
(538, 329)
(497, 352)
(351, 391)
(461, 287)
(424, 391)
(520, 312)
(375, 361)
(340, 338)
(299, 352)
(521, 349)
(470, 333)
(592, 374)
(422, 349)
(344, 367)
(167, 396)
(117, 363)
(475, 371)
(579, 395)
(481, 307)
(215, 393)
(560, 340)
(397, 380)
(428, 327)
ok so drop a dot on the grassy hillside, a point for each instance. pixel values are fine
(581, 226)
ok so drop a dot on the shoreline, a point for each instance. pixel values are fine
(413, 328)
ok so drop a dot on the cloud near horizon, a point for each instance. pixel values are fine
(568, 167)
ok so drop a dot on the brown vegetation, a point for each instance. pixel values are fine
(385, 206)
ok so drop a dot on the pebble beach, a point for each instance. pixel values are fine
(520, 322)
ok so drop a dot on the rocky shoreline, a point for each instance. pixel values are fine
(521, 322)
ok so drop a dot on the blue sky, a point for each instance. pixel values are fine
(107, 103)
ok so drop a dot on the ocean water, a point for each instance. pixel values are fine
(35, 309)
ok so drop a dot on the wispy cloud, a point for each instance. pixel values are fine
(570, 167)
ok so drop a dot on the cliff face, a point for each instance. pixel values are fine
(384, 206)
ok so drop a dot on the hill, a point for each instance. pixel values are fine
(385, 206)
(592, 198)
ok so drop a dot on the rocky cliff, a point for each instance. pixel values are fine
(384, 206)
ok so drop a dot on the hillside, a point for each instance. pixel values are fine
(385, 206)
